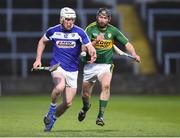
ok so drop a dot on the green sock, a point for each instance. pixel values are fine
(102, 106)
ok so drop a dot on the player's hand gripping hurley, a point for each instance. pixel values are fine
(120, 52)
(48, 68)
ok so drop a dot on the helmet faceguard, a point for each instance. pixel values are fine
(67, 12)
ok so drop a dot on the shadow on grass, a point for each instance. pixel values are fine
(89, 131)
(86, 133)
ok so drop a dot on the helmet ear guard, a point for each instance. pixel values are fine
(67, 12)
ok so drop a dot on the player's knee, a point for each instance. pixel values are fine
(106, 87)
(59, 89)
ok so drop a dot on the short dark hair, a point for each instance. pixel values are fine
(104, 11)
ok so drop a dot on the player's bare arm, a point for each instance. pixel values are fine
(40, 48)
(131, 50)
(92, 53)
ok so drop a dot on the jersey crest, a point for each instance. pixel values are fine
(109, 35)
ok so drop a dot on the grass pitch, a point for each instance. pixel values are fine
(129, 116)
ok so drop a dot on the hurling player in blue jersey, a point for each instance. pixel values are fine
(67, 39)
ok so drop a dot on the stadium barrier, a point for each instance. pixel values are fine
(152, 13)
(167, 58)
(122, 84)
(159, 36)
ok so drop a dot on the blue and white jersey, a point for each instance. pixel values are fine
(66, 45)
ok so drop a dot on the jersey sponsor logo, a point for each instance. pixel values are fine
(66, 44)
(105, 44)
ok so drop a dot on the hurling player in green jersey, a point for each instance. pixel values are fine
(102, 35)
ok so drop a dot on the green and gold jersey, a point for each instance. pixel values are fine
(104, 49)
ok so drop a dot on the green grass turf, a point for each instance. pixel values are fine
(124, 116)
